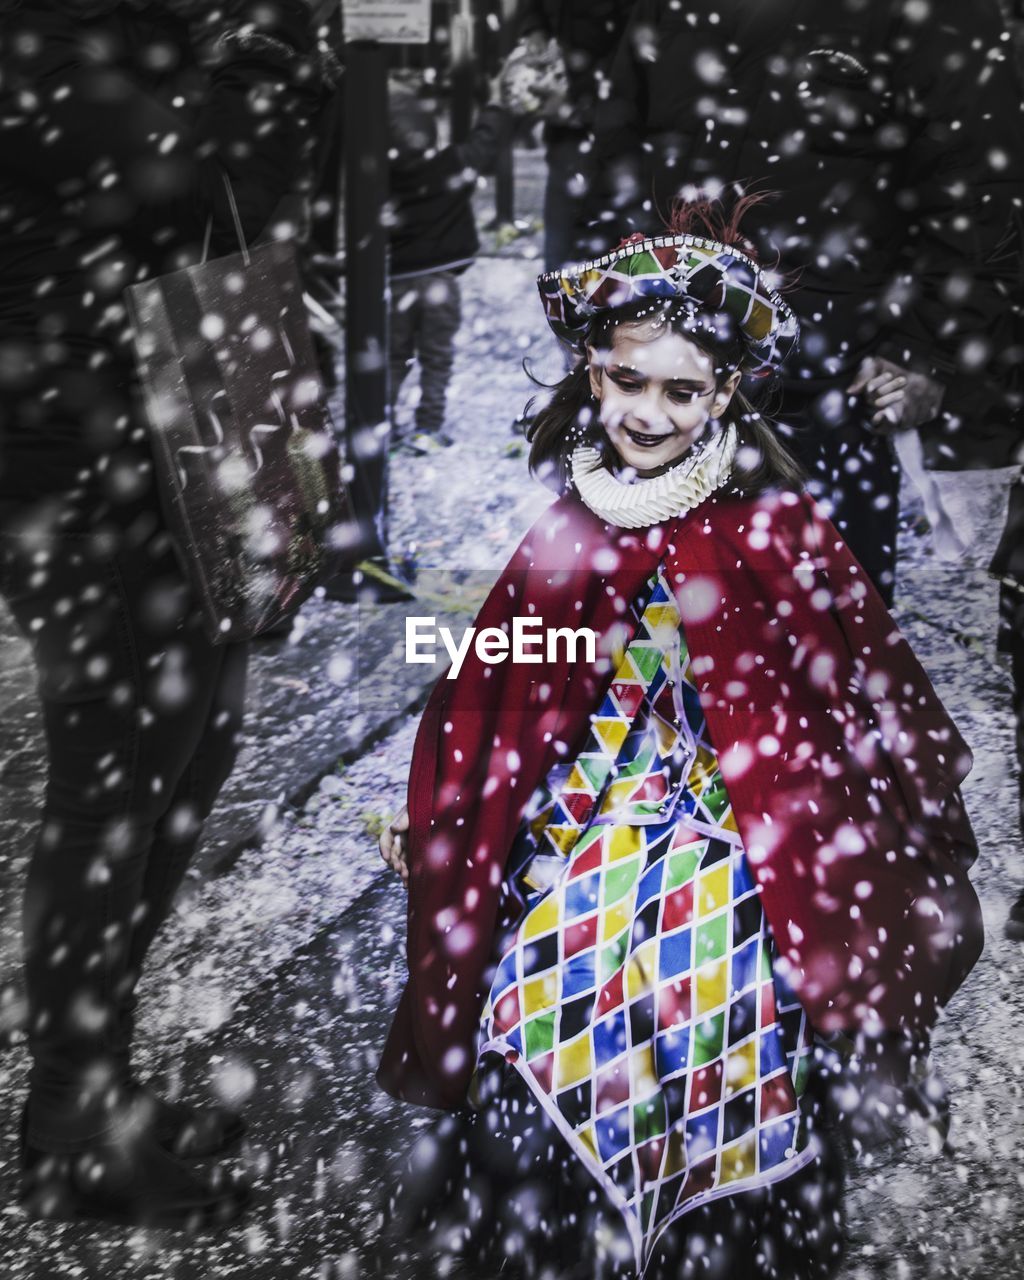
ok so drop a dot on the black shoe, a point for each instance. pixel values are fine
(1015, 921)
(430, 443)
(371, 582)
(189, 1132)
(133, 1182)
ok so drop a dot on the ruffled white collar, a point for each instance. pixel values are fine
(643, 502)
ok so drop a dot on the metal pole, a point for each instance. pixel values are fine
(366, 272)
(326, 225)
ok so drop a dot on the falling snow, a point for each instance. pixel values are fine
(274, 986)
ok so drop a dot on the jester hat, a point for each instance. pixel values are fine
(714, 280)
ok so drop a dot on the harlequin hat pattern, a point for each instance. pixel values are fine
(711, 276)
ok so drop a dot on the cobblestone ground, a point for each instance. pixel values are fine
(274, 985)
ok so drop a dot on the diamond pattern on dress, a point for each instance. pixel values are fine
(638, 997)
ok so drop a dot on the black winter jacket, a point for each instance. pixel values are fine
(893, 149)
(433, 226)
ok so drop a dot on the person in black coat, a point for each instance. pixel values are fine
(119, 122)
(887, 138)
(432, 240)
(1008, 566)
(1008, 561)
(587, 33)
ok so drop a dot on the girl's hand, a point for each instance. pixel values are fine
(883, 386)
(394, 844)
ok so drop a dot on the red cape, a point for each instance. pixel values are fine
(841, 763)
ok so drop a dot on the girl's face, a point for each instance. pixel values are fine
(657, 393)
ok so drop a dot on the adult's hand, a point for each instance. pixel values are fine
(902, 400)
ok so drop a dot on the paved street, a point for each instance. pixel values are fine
(273, 985)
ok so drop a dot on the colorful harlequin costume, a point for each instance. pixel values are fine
(647, 881)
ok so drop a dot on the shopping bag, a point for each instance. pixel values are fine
(245, 454)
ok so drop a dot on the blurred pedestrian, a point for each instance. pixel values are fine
(652, 888)
(1008, 561)
(891, 133)
(433, 239)
(1008, 565)
(120, 122)
(584, 34)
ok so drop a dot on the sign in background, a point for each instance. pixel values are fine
(388, 21)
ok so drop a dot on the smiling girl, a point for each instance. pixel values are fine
(658, 394)
(644, 891)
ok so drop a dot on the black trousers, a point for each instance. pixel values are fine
(141, 716)
(567, 207)
(1011, 641)
(851, 470)
(1008, 564)
(426, 312)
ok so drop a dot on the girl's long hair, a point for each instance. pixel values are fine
(570, 417)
